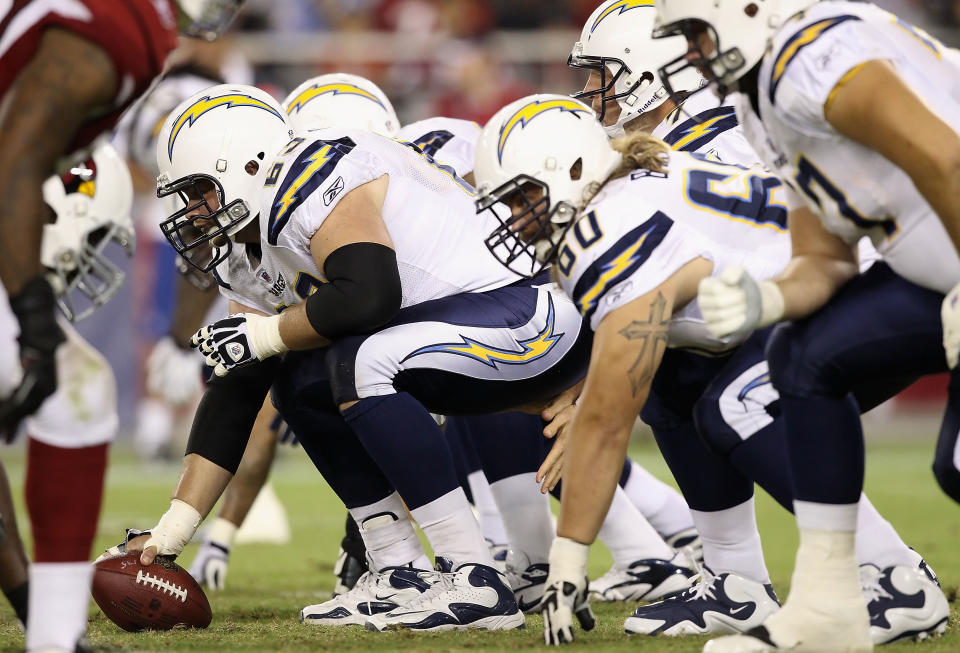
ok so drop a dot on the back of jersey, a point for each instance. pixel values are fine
(642, 228)
(428, 211)
(449, 141)
(703, 126)
(856, 191)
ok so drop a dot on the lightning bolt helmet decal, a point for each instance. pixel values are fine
(206, 103)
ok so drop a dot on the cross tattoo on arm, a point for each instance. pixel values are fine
(652, 333)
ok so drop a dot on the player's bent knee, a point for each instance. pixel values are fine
(797, 365)
(711, 426)
(948, 477)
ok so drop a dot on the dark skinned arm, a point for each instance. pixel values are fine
(69, 80)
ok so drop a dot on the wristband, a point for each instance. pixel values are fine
(771, 303)
(264, 335)
(568, 558)
(174, 529)
(222, 532)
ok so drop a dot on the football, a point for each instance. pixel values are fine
(155, 597)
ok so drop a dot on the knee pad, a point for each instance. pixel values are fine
(800, 361)
(83, 410)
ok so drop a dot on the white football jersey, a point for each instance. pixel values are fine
(856, 191)
(644, 227)
(429, 213)
(448, 140)
(700, 124)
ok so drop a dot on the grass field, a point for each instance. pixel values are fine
(268, 585)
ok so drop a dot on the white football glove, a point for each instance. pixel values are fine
(950, 315)
(173, 374)
(565, 596)
(239, 340)
(209, 568)
(733, 304)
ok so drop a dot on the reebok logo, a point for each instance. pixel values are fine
(331, 193)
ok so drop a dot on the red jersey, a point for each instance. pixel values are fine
(137, 35)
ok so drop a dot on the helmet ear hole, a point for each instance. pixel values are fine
(252, 167)
(576, 170)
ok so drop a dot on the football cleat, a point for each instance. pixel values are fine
(643, 580)
(527, 579)
(499, 554)
(825, 612)
(474, 596)
(347, 570)
(375, 593)
(903, 602)
(688, 543)
(725, 603)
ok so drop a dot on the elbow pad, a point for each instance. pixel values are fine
(363, 292)
(223, 421)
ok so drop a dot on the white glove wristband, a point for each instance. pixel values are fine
(174, 529)
(568, 558)
(771, 303)
(264, 335)
(222, 532)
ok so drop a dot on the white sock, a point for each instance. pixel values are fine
(526, 515)
(628, 534)
(825, 516)
(491, 523)
(59, 596)
(878, 543)
(731, 541)
(662, 505)
(388, 535)
(453, 531)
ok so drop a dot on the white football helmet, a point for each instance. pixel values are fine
(550, 143)
(208, 19)
(92, 205)
(341, 100)
(616, 42)
(221, 139)
(740, 31)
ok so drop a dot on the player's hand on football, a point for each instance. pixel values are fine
(551, 470)
(173, 373)
(950, 315)
(564, 599)
(237, 341)
(133, 541)
(209, 568)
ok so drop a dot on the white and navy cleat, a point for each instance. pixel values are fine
(644, 580)
(903, 602)
(725, 603)
(527, 579)
(473, 597)
(688, 543)
(374, 593)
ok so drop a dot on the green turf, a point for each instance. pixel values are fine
(267, 585)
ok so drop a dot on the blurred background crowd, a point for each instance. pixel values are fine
(456, 58)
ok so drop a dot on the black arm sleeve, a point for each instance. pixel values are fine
(222, 423)
(363, 292)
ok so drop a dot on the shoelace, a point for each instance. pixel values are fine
(702, 587)
(440, 583)
(870, 584)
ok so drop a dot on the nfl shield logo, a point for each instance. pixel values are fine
(236, 351)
